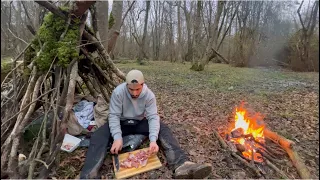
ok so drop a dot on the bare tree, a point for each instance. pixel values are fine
(142, 53)
(101, 24)
(210, 51)
(117, 7)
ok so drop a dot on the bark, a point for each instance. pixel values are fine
(114, 32)
(143, 41)
(101, 21)
(189, 54)
(197, 40)
(179, 32)
(210, 52)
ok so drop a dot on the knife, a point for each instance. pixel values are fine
(116, 162)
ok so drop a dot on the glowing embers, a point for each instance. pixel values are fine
(247, 133)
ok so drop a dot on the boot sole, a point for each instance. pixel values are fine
(200, 172)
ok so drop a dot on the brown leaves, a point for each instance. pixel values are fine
(193, 109)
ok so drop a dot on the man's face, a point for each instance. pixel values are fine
(134, 89)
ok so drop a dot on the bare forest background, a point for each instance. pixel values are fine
(242, 33)
(51, 51)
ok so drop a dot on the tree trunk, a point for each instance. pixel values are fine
(143, 42)
(189, 54)
(114, 32)
(210, 53)
(196, 49)
(102, 22)
(180, 45)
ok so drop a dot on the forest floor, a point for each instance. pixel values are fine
(194, 103)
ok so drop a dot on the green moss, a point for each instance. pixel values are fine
(49, 34)
(111, 21)
(6, 66)
(64, 8)
(67, 49)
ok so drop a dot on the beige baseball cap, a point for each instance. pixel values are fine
(134, 76)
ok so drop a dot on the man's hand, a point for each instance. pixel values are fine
(154, 148)
(116, 146)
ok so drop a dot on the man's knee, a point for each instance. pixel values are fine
(163, 126)
(101, 132)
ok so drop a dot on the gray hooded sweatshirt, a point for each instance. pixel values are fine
(123, 107)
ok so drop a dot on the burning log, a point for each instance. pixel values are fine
(240, 147)
(248, 138)
(239, 132)
(288, 146)
(225, 146)
(278, 139)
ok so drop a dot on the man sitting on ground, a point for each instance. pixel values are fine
(133, 110)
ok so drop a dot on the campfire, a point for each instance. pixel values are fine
(247, 135)
(245, 140)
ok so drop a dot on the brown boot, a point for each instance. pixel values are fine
(190, 170)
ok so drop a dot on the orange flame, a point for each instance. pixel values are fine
(253, 125)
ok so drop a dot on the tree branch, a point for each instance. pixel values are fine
(17, 36)
(300, 18)
(125, 14)
(52, 8)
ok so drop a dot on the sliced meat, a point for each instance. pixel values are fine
(136, 160)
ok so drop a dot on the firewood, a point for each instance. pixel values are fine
(282, 141)
(283, 175)
(288, 146)
(225, 146)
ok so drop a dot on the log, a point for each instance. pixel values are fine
(217, 53)
(288, 146)
(225, 146)
(282, 141)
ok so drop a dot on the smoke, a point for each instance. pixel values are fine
(270, 44)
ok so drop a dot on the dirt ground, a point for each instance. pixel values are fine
(194, 103)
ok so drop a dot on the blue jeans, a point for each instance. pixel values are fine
(102, 137)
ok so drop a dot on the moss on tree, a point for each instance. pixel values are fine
(52, 47)
(111, 21)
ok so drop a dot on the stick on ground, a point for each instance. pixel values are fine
(288, 145)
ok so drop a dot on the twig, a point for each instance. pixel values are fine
(58, 74)
(17, 36)
(266, 155)
(88, 85)
(28, 106)
(44, 163)
(224, 145)
(281, 173)
(86, 53)
(49, 70)
(43, 130)
(15, 59)
(20, 125)
(91, 43)
(103, 52)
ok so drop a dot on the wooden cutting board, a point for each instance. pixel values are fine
(153, 163)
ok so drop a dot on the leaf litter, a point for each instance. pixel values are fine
(192, 105)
